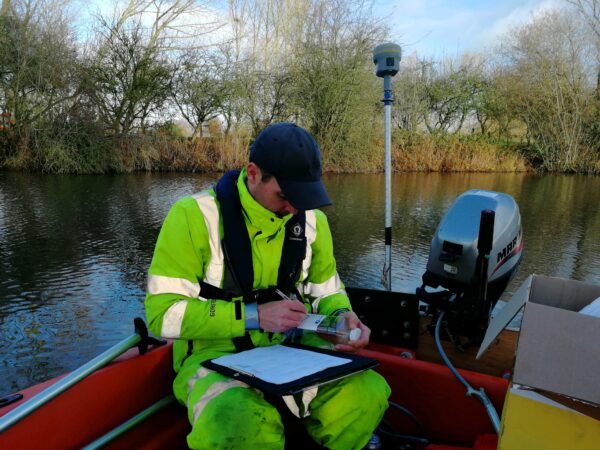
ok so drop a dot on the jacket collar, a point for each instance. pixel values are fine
(257, 215)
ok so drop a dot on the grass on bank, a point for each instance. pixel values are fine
(165, 152)
(454, 153)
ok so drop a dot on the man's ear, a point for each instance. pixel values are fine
(253, 172)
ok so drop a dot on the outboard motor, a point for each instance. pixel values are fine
(473, 255)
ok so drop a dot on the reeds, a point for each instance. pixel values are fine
(454, 153)
(156, 151)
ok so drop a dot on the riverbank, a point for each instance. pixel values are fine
(163, 152)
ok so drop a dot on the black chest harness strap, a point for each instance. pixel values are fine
(239, 273)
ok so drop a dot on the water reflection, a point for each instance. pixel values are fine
(74, 250)
(560, 214)
(73, 256)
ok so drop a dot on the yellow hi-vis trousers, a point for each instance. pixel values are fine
(228, 414)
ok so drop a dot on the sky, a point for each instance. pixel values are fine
(432, 28)
(447, 28)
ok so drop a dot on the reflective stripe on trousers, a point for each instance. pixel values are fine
(215, 390)
(299, 404)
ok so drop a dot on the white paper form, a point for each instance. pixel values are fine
(279, 364)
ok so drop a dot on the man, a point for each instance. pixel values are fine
(236, 267)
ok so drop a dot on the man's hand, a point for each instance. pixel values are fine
(354, 322)
(281, 315)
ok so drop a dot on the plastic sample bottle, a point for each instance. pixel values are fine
(331, 328)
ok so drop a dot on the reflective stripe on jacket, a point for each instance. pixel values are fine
(189, 249)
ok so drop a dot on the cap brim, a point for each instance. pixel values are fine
(305, 195)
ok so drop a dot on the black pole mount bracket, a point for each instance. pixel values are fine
(145, 339)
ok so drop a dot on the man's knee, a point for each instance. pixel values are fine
(345, 414)
(238, 418)
(371, 391)
(366, 391)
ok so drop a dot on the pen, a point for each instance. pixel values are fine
(281, 294)
(291, 333)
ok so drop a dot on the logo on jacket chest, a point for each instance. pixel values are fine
(297, 230)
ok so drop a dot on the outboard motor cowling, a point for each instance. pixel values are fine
(453, 252)
(456, 264)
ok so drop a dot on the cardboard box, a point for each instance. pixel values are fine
(533, 421)
(557, 363)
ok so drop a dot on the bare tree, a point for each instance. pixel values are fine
(131, 70)
(410, 104)
(335, 91)
(590, 11)
(548, 60)
(129, 74)
(5, 8)
(200, 88)
(451, 90)
(494, 104)
(37, 62)
(261, 59)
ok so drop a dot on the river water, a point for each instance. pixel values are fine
(74, 250)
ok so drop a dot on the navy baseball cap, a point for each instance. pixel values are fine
(292, 156)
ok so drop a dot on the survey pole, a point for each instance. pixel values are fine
(387, 57)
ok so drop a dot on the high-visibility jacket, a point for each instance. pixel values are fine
(189, 249)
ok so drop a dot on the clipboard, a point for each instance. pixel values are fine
(356, 364)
